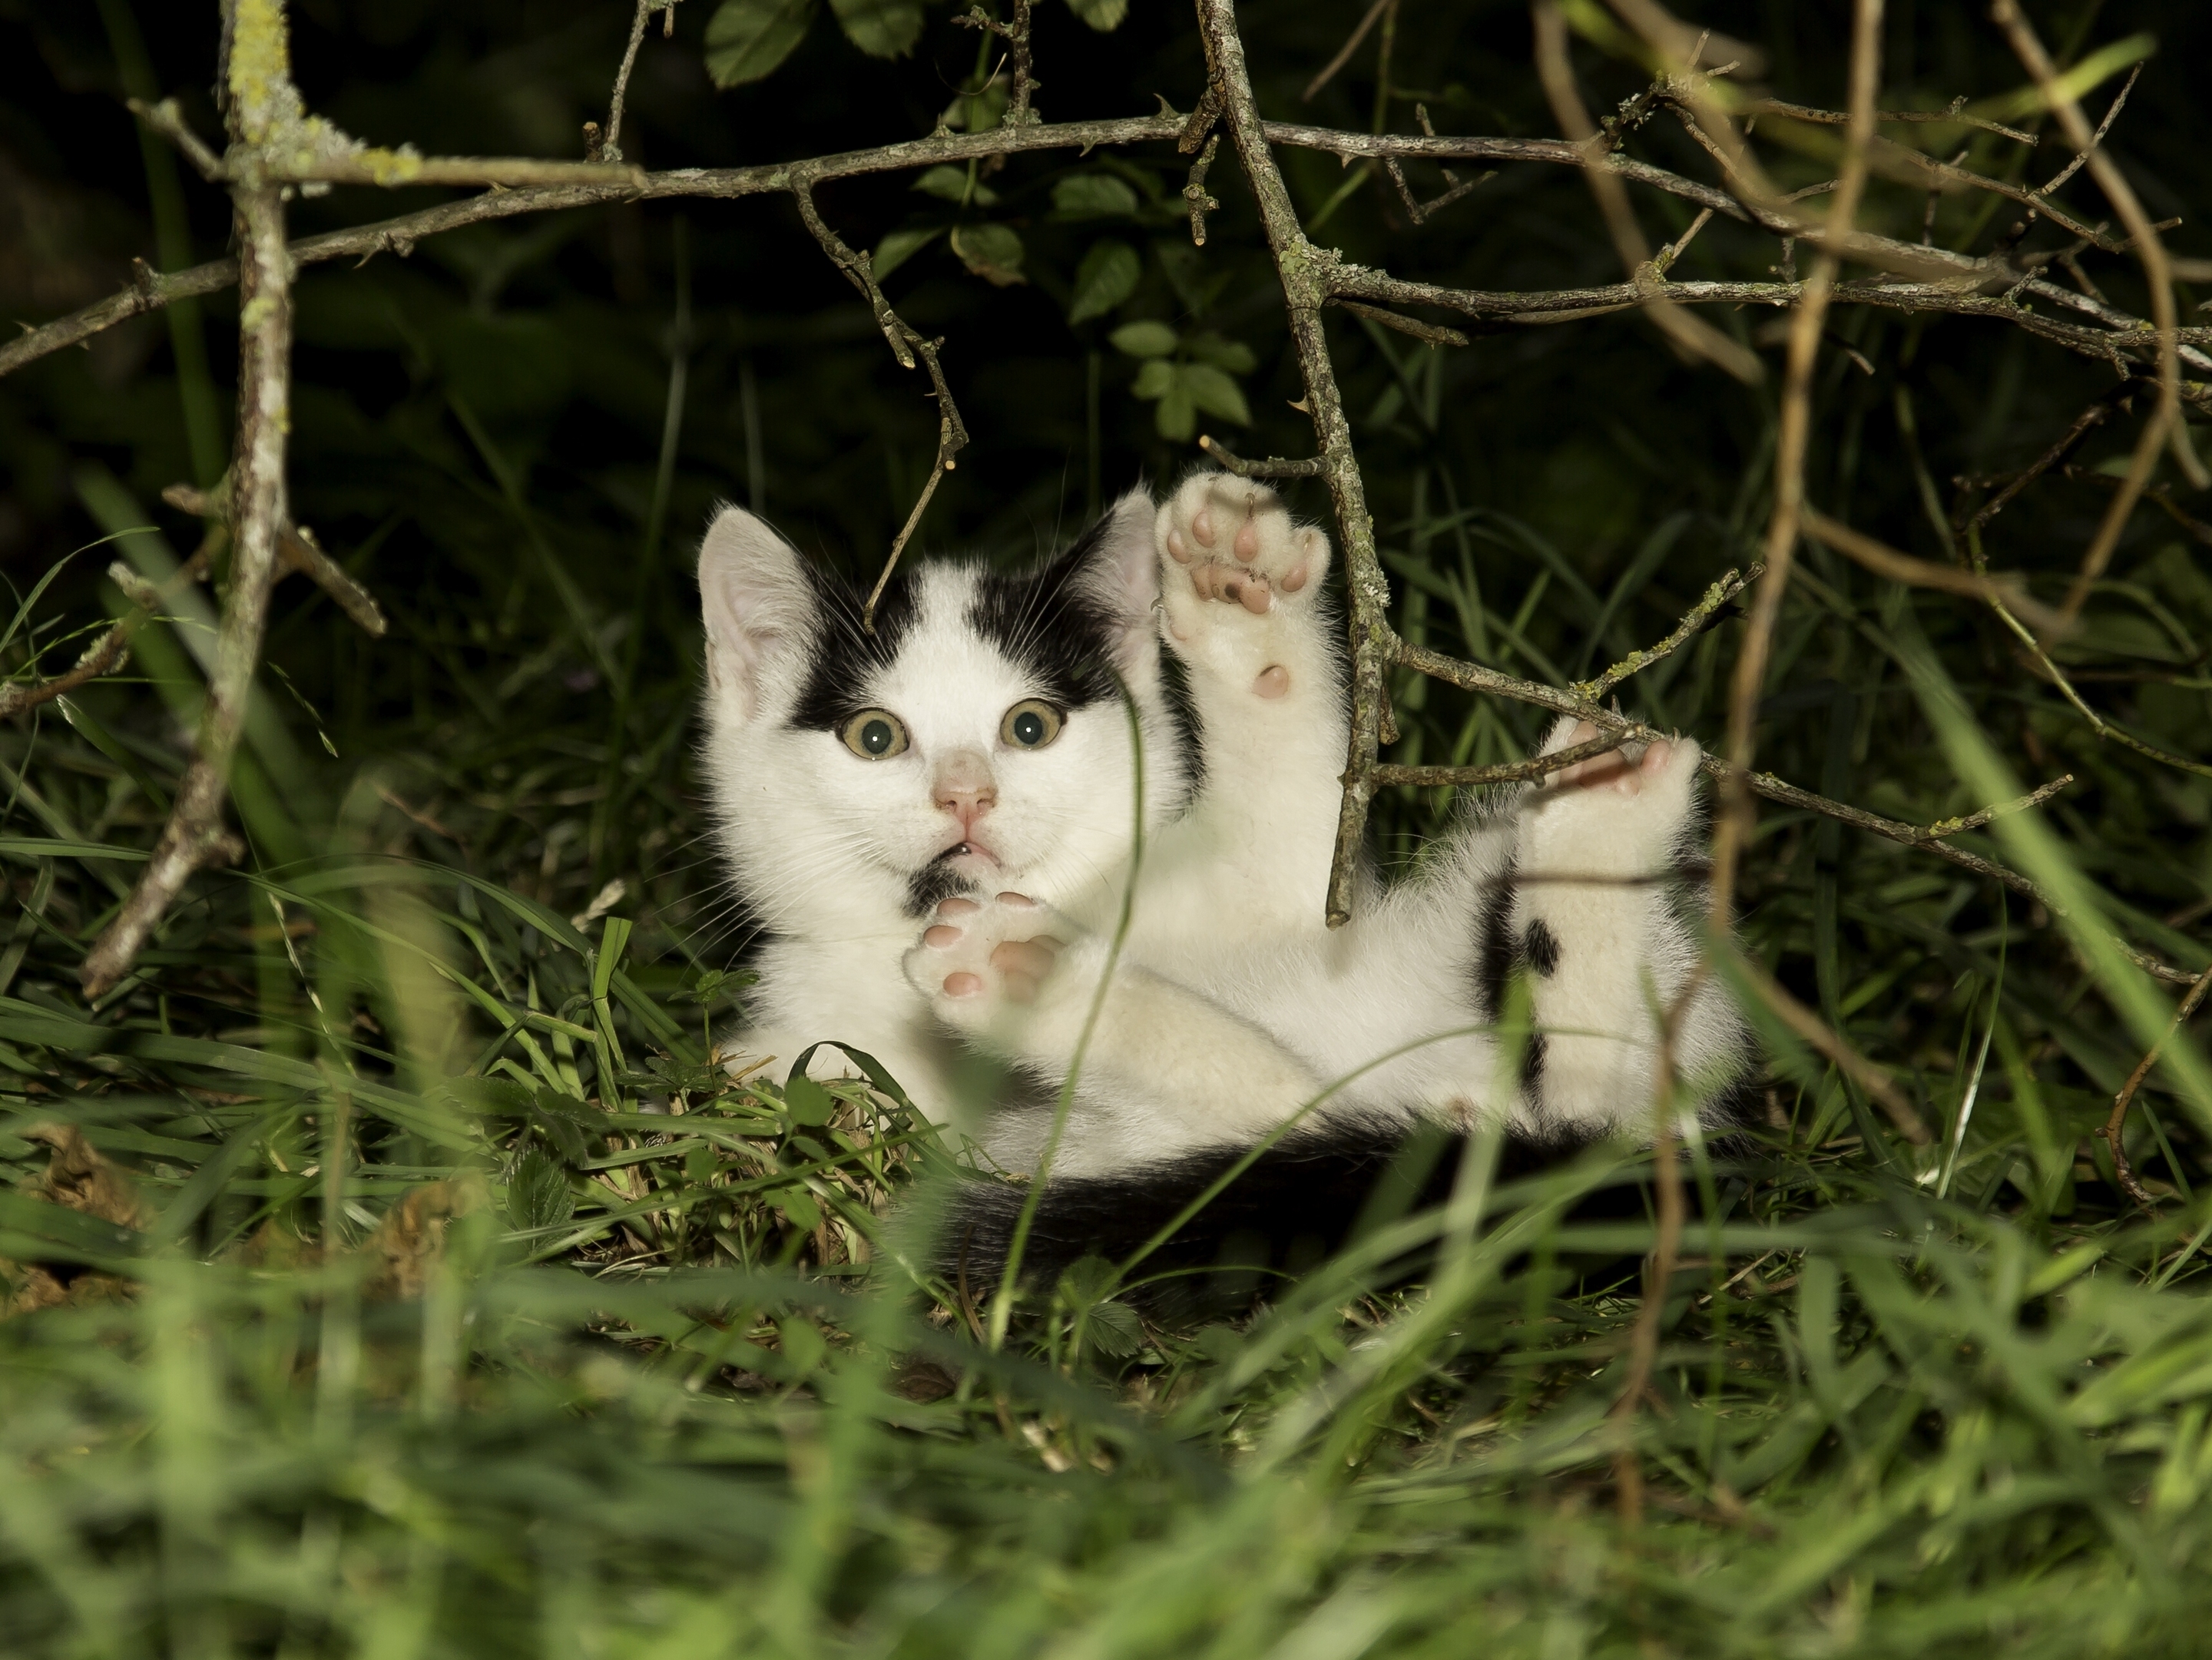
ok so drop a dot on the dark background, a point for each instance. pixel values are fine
(478, 428)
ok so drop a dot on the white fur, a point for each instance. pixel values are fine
(1233, 1008)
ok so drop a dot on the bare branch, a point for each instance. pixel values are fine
(1304, 271)
(909, 346)
(610, 148)
(1194, 192)
(1344, 53)
(297, 549)
(1953, 117)
(1272, 467)
(1816, 1031)
(113, 649)
(2166, 423)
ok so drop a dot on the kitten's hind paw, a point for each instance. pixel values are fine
(1228, 539)
(978, 957)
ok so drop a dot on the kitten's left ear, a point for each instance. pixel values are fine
(1118, 571)
(758, 607)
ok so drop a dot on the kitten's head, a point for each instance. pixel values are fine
(978, 739)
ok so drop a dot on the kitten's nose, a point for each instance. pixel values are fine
(964, 787)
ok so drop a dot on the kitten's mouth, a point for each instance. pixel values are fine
(968, 854)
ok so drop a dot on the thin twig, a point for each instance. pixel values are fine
(1953, 117)
(1512, 772)
(2115, 1125)
(2084, 423)
(1271, 467)
(1194, 191)
(113, 649)
(1735, 823)
(1695, 622)
(610, 148)
(2165, 424)
(1434, 334)
(1344, 53)
(910, 347)
(1816, 1031)
(298, 549)
(1692, 335)
(2005, 587)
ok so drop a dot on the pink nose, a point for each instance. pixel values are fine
(965, 801)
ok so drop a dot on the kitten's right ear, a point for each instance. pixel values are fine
(757, 605)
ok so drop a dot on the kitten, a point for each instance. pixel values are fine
(936, 824)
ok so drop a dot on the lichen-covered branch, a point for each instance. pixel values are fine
(1306, 274)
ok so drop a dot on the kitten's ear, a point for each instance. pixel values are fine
(1119, 572)
(757, 604)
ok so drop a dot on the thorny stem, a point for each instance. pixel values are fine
(1696, 622)
(111, 650)
(1306, 272)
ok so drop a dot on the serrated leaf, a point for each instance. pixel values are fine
(994, 252)
(881, 28)
(1233, 356)
(953, 184)
(1107, 276)
(1114, 1331)
(1101, 15)
(807, 1102)
(538, 1194)
(1155, 380)
(1209, 389)
(747, 39)
(1146, 339)
(567, 1123)
(1087, 195)
(901, 246)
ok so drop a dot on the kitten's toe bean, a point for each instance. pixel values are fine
(1019, 900)
(963, 985)
(1247, 544)
(1178, 550)
(958, 908)
(942, 936)
(1202, 527)
(1257, 597)
(1656, 757)
(1033, 957)
(1273, 681)
(1293, 580)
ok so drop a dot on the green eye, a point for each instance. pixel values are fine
(873, 734)
(1030, 725)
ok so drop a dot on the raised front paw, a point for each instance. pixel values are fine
(1227, 539)
(979, 957)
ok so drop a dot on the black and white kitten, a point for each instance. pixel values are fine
(934, 823)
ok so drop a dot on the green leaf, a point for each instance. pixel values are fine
(798, 1207)
(1107, 276)
(1088, 195)
(1175, 417)
(1214, 392)
(1156, 380)
(567, 1123)
(994, 252)
(1101, 15)
(901, 246)
(807, 1102)
(881, 28)
(538, 1194)
(1143, 340)
(746, 40)
(1114, 1331)
(955, 185)
(1231, 354)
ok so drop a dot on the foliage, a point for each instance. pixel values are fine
(414, 1284)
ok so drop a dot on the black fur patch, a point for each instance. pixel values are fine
(1493, 947)
(1189, 724)
(1297, 1203)
(934, 881)
(1540, 948)
(1046, 622)
(846, 654)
